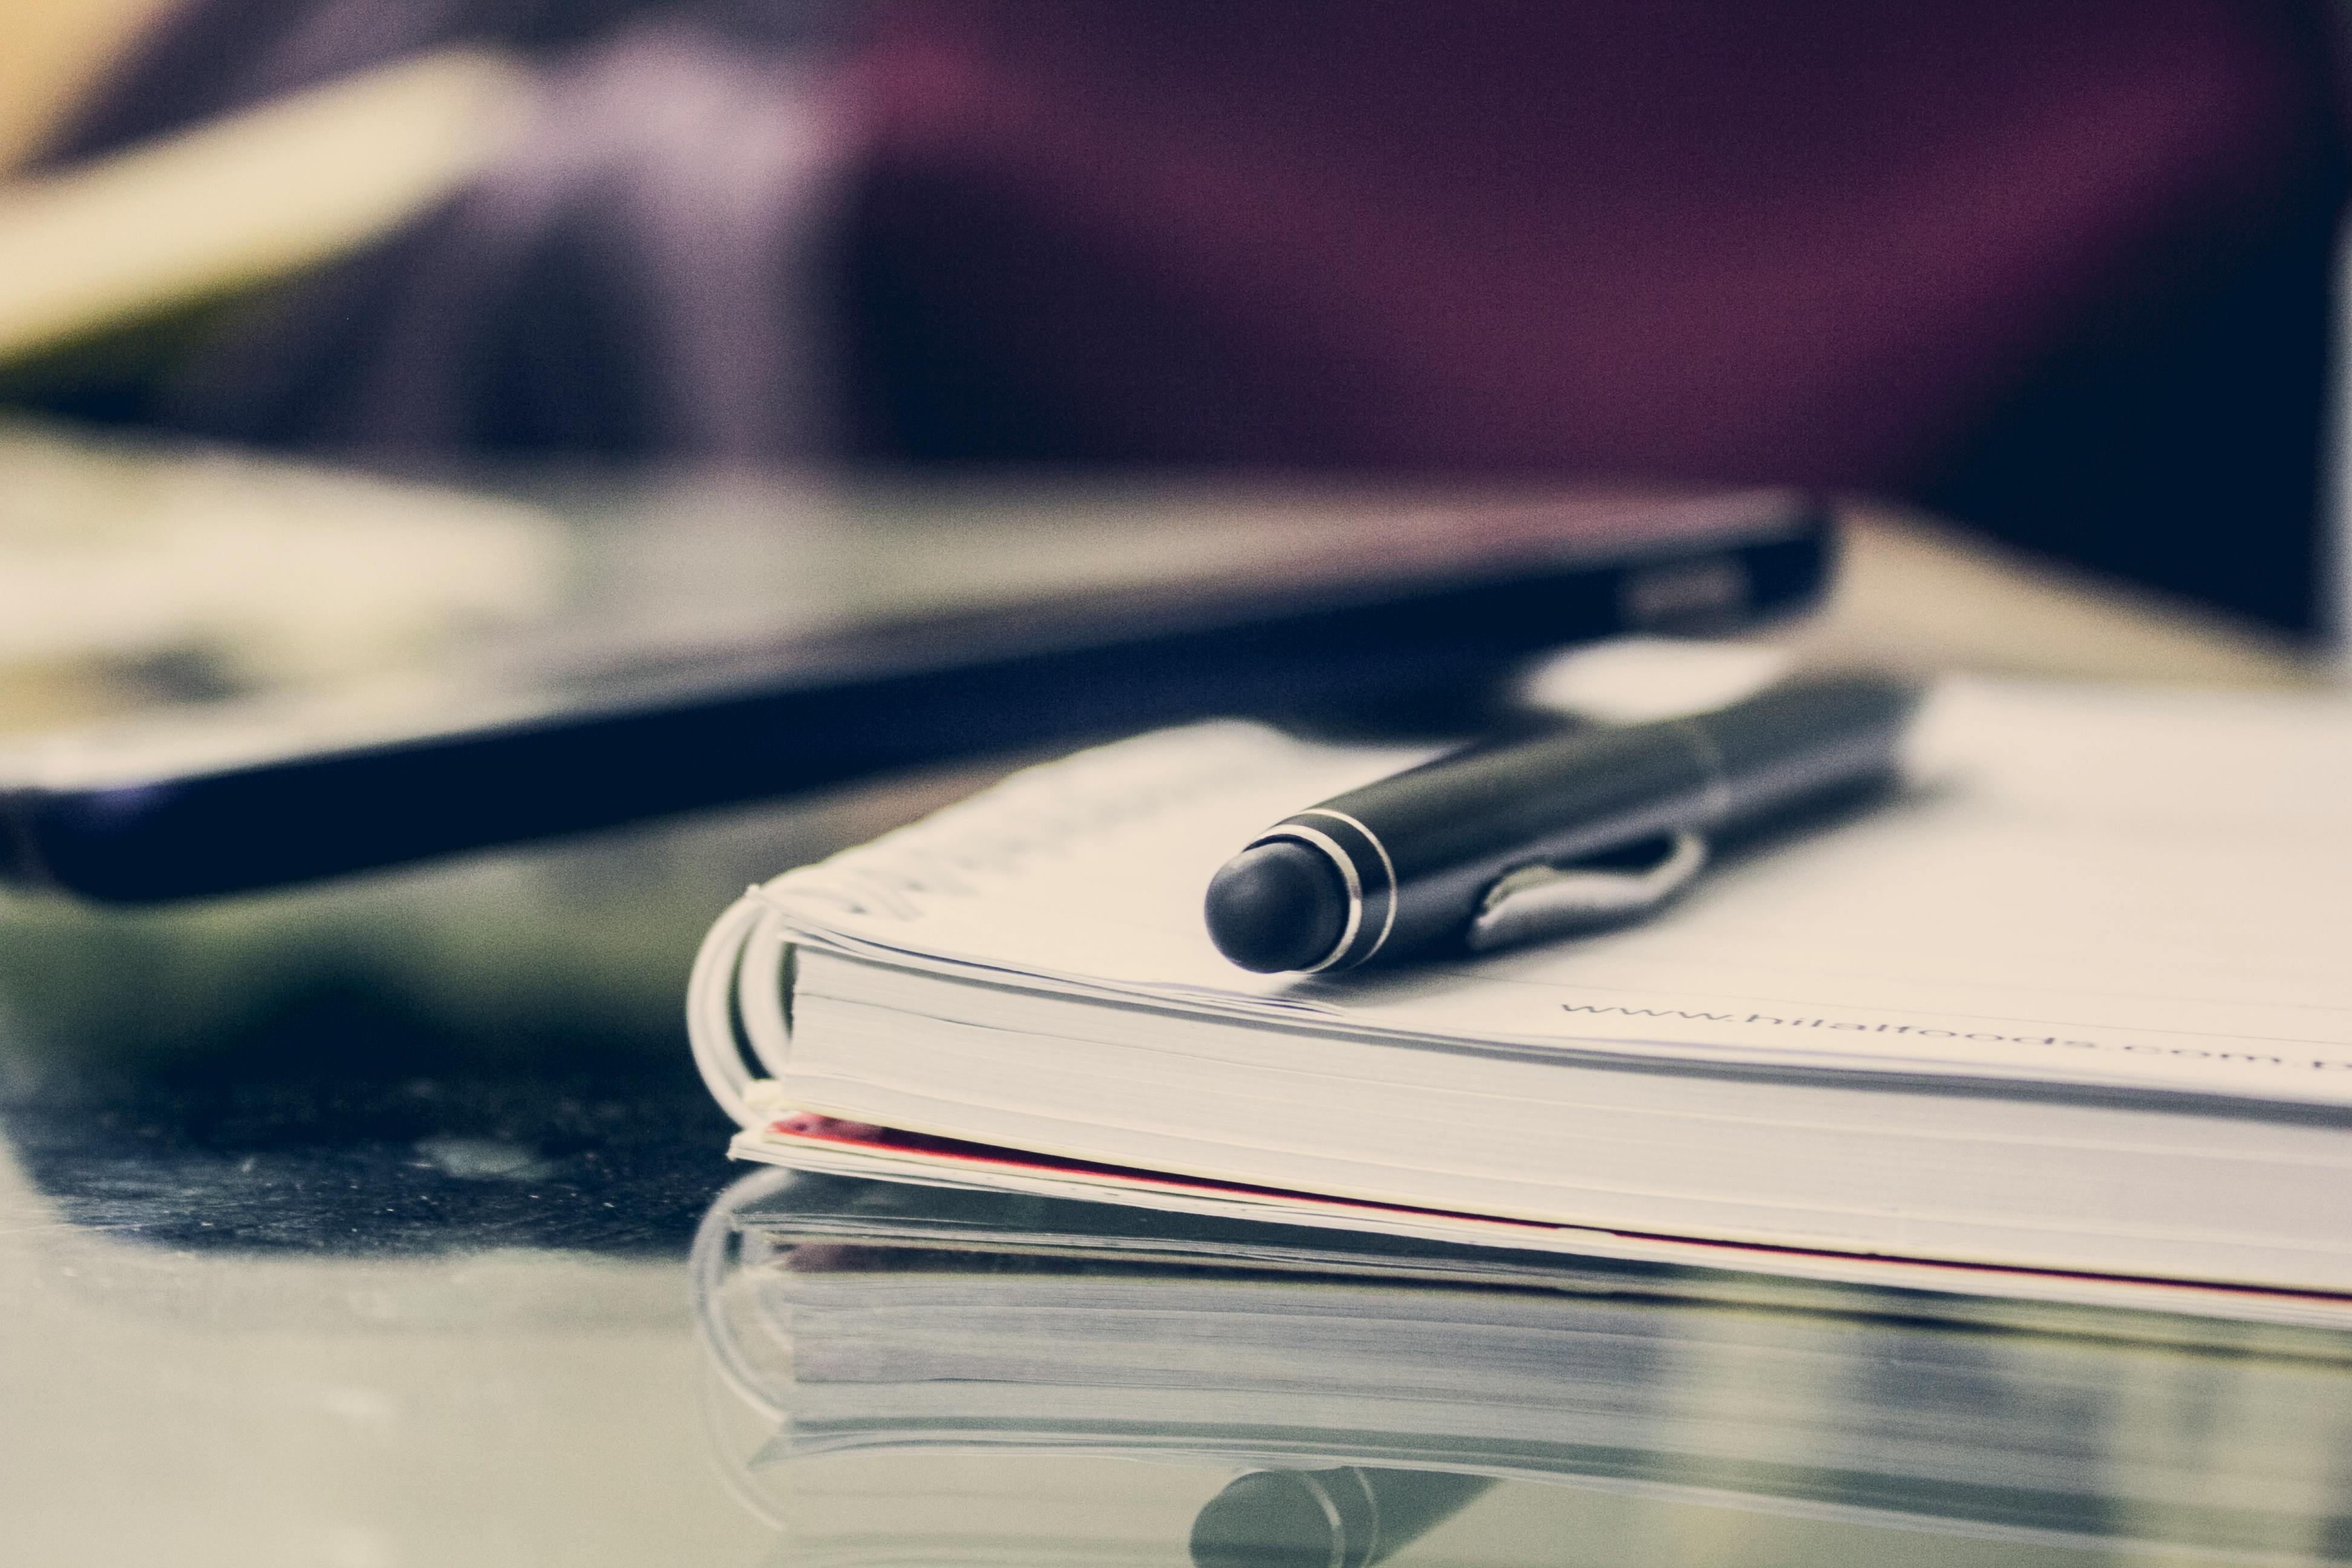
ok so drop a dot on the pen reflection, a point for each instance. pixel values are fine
(1347, 1517)
(896, 1375)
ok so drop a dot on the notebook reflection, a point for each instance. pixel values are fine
(902, 1375)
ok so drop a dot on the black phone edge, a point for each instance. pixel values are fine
(1059, 676)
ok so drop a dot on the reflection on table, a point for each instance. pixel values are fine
(900, 1374)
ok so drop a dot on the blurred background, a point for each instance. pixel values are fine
(2062, 275)
(327, 327)
(336, 334)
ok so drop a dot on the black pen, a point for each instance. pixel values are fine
(1497, 843)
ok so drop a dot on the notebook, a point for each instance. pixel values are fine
(822, 1310)
(2069, 1017)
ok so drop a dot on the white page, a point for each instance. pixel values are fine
(2083, 884)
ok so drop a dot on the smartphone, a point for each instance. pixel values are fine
(706, 644)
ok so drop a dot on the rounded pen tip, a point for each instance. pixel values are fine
(1277, 907)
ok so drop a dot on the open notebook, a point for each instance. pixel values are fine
(2072, 1015)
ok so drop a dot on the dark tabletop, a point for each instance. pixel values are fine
(349, 1227)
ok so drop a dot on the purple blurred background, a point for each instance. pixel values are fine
(2061, 271)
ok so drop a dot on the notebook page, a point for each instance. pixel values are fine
(2080, 885)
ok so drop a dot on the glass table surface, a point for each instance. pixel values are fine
(388, 1225)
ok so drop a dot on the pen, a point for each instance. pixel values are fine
(1496, 844)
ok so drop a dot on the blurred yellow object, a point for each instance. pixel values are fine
(244, 200)
(50, 51)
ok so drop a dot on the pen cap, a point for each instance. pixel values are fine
(1425, 844)
(1277, 907)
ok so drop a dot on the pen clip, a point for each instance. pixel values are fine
(1547, 901)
